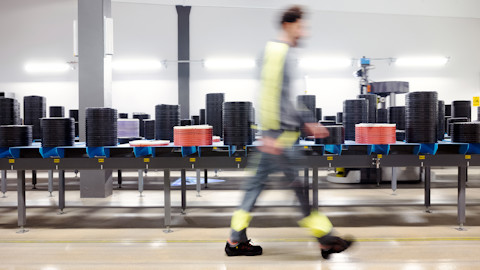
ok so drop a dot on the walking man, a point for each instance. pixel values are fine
(281, 124)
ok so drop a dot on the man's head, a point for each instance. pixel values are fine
(293, 25)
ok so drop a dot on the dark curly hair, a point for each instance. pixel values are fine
(292, 14)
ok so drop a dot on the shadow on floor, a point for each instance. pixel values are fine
(220, 217)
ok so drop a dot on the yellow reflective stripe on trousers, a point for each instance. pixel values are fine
(287, 139)
(318, 223)
(272, 80)
(240, 220)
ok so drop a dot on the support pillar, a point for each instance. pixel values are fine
(94, 82)
(183, 22)
(96, 184)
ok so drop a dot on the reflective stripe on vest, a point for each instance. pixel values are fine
(272, 80)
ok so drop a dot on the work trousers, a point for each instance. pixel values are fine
(265, 164)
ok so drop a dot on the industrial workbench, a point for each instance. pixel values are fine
(170, 158)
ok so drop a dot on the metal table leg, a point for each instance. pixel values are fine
(306, 184)
(199, 184)
(167, 201)
(466, 177)
(140, 182)
(50, 182)
(379, 176)
(119, 178)
(22, 210)
(34, 179)
(315, 188)
(184, 191)
(61, 191)
(394, 179)
(4, 183)
(205, 178)
(427, 189)
(461, 204)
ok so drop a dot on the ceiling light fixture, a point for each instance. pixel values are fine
(421, 61)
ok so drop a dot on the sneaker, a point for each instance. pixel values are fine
(243, 249)
(340, 245)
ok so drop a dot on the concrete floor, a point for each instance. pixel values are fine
(125, 231)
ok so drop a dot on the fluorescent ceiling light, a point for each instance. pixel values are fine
(46, 67)
(137, 65)
(421, 61)
(324, 63)
(229, 63)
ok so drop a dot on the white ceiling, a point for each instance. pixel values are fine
(443, 8)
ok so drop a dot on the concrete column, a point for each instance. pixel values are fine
(95, 184)
(94, 82)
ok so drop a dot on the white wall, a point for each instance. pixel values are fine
(397, 36)
(33, 30)
(41, 30)
(226, 33)
(444, 8)
(242, 33)
(143, 31)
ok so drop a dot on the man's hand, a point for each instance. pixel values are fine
(269, 146)
(317, 130)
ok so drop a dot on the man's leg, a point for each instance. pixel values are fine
(241, 217)
(318, 224)
(238, 244)
(290, 169)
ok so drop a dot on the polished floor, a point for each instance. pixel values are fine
(125, 231)
(406, 248)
